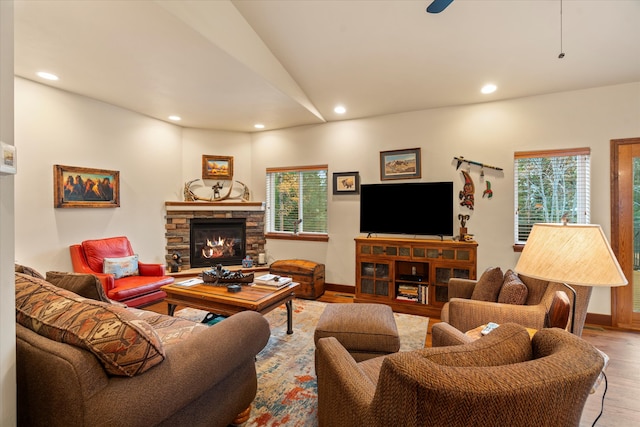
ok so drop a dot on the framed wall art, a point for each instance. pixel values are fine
(7, 159)
(217, 167)
(346, 183)
(77, 187)
(400, 164)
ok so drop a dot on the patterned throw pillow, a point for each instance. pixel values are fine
(125, 345)
(121, 267)
(488, 287)
(513, 291)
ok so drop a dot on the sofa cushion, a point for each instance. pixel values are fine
(125, 345)
(488, 287)
(513, 290)
(512, 344)
(171, 330)
(84, 285)
(121, 267)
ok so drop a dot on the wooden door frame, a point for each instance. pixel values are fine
(621, 297)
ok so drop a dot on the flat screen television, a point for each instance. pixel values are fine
(423, 208)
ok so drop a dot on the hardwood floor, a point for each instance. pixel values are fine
(621, 404)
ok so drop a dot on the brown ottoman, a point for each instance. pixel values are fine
(365, 330)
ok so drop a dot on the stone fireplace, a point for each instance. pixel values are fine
(233, 230)
(217, 241)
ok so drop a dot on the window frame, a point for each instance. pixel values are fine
(290, 235)
(584, 175)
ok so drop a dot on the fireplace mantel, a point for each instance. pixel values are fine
(214, 206)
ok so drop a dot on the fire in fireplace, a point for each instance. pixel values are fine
(217, 241)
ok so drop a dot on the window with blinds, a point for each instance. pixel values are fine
(297, 200)
(550, 185)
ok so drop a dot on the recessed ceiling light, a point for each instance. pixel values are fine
(258, 126)
(488, 88)
(175, 118)
(340, 109)
(47, 76)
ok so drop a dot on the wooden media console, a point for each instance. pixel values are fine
(411, 275)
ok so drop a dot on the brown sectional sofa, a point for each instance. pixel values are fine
(82, 362)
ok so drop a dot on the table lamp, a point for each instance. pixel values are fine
(571, 254)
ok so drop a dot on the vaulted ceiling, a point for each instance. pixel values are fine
(231, 64)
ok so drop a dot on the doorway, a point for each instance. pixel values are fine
(625, 229)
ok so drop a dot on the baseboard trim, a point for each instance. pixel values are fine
(598, 319)
(345, 289)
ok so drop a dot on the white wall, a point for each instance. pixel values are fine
(7, 235)
(156, 158)
(196, 142)
(488, 133)
(56, 127)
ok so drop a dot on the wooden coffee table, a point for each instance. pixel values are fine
(216, 299)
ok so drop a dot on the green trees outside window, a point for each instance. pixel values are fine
(551, 186)
(297, 200)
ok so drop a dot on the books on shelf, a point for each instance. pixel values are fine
(407, 293)
(415, 293)
(423, 292)
(271, 281)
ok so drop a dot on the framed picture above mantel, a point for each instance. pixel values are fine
(217, 167)
(400, 164)
(79, 187)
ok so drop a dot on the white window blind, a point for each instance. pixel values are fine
(550, 185)
(297, 199)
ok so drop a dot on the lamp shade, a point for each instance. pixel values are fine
(575, 254)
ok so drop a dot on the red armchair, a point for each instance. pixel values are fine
(135, 290)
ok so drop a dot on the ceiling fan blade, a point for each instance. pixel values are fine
(438, 6)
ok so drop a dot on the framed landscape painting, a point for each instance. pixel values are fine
(217, 167)
(400, 164)
(78, 187)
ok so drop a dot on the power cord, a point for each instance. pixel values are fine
(602, 403)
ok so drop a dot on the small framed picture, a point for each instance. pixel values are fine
(400, 164)
(217, 167)
(76, 187)
(8, 159)
(346, 183)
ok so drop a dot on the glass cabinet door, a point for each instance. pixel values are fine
(374, 278)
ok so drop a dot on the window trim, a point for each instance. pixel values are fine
(289, 235)
(552, 153)
(563, 152)
(309, 237)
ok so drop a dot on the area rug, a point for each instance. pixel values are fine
(287, 388)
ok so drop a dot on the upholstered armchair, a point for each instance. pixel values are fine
(502, 379)
(465, 313)
(443, 334)
(124, 278)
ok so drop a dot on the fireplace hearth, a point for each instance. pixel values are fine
(217, 241)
